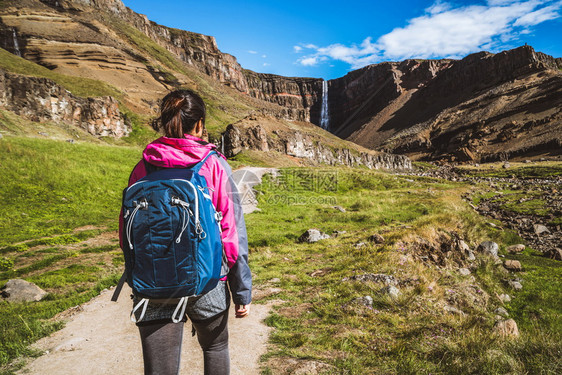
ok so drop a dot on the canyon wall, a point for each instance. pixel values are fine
(40, 99)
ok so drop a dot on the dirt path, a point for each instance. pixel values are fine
(99, 337)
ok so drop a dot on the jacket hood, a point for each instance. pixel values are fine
(177, 152)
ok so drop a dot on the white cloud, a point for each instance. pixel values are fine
(264, 56)
(297, 49)
(253, 52)
(309, 61)
(443, 31)
(538, 16)
(266, 64)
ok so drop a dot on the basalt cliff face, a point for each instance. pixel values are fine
(482, 107)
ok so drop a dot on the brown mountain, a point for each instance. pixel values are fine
(482, 107)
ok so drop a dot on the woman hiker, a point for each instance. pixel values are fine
(182, 121)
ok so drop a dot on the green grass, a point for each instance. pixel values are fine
(519, 170)
(318, 319)
(51, 187)
(409, 335)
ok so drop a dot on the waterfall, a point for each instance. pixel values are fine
(222, 143)
(16, 44)
(324, 114)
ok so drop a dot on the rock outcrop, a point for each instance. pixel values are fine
(40, 99)
(256, 134)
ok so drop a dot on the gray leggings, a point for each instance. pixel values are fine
(161, 345)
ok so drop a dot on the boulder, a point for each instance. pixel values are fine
(512, 265)
(488, 248)
(313, 235)
(507, 328)
(515, 248)
(376, 238)
(18, 290)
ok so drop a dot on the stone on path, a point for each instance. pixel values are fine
(313, 235)
(18, 290)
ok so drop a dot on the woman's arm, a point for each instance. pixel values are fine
(228, 201)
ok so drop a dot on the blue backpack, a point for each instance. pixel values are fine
(172, 238)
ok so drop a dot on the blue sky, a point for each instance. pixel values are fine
(327, 38)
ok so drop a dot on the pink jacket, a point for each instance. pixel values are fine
(185, 152)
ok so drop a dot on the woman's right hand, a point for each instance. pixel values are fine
(242, 311)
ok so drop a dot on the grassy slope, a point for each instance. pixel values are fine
(54, 187)
(413, 334)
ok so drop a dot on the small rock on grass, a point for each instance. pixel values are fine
(313, 235)
(515, 284)
(376, 238)
(338, 233)
(365, 301)
(507, 328)
(453, 310)
(502, 312)
(489, 248)
(540, 229)
(555, 254)
(339, 208)
(391, 291)
(512, 265)
(505, 298)
(464, 271)
(515, 248)
(18, 290)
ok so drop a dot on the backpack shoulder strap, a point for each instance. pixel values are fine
(150, 167)
(198, 166)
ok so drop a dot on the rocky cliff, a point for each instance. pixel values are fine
(470, 109)
(40, 99)
(303, 141)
